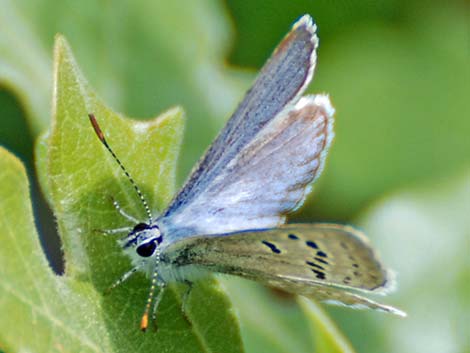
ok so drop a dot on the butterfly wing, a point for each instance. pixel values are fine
(270, 150)
(327, 262)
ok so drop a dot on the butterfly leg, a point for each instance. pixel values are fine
(121, 229)
(123, 213)
(122, 279)
(156, 303)
(114, 231)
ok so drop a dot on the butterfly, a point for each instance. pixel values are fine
(229, 216)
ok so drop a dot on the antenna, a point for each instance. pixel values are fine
(100, 135)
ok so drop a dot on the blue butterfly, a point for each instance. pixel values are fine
(229, 215)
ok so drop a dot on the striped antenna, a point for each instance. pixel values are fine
(100, 135)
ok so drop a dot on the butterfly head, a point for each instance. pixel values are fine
(143, 240)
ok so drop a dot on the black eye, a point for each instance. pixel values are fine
(147, 249)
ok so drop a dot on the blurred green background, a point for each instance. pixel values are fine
(398, 73)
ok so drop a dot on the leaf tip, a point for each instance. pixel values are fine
(60, 43)
(62, 52)
(175, 113)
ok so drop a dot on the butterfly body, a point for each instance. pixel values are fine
(228, 217)
(147, 248)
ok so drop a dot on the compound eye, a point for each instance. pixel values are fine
(147, 249)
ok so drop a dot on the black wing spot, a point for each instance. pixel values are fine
(313, 264)
(357, 274)
(347, 280)
(355, 265)
(344, 246)
(311, 244)
(319, 259)
(319, 274)
(321, 253)
(293, 236)
(273, 247)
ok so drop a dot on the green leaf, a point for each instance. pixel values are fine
(44, 313)
(268, 323)
(327, 337)
(82, 176)
(70, 312)
(274, 323)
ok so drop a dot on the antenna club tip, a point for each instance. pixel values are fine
(96, 127)
(144, 323)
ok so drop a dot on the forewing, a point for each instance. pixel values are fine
(323, 261)
(280, 83)
(267, 178)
